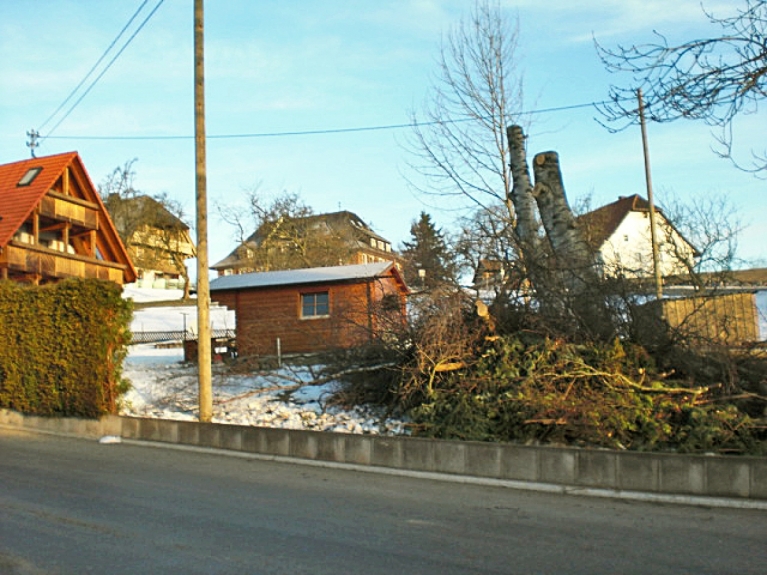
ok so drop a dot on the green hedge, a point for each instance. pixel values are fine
(62, 347)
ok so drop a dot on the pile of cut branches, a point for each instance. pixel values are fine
(536, 389)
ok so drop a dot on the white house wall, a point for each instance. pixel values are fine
(628, 251)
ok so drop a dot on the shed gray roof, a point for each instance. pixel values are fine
(301, 276)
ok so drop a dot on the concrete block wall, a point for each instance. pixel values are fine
(699, 475)
(654, 473)
(92, 428)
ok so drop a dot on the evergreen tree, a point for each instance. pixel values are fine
(428, 261)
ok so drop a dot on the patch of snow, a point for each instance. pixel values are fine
(761, 307)
(110, 439)
(164, 387)
(144, 295)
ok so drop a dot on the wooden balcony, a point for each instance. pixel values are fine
(67, 209)
(20, 260)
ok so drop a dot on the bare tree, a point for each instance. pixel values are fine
(460, 144)
(259, 209)
(522, 195)
(171, 235)
(572, 252)
(471, 145)
(152, 228)
(711, 224)
(115, 190)
(284, 233)
(714, 79)
(486, 236)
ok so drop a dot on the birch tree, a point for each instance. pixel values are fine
(472, 147)
(458, 142)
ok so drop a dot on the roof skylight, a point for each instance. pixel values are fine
(29, 177)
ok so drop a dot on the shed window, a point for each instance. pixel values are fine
(29, 177)
(315, 304)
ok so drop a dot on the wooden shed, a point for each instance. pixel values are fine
(723, 318)
(313, 310)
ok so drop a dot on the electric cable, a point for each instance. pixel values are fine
(109, 65)
(323, 131)
(101, 58)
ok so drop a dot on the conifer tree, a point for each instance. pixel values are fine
(429, 262)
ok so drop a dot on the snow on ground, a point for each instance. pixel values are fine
(166, 388)
(761, 306)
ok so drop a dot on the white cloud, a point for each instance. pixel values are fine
(578, 22)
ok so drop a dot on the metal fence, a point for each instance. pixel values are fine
(177, 335)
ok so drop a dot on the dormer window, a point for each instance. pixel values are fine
(29, 177)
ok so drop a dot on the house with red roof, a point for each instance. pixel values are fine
(53, 224)
(619, 234)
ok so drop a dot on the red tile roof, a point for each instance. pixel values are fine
(17, 203)
(601, 223)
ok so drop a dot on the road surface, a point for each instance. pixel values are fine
(74, 506)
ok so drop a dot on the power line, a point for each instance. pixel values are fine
(101, 58)
(109, 65)
(323, 131)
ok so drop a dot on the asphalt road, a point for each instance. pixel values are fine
(73, 506)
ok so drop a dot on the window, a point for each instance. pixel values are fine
(315, 304)
(29, 177)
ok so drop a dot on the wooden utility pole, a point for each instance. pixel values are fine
(203, 284)
(648, 180)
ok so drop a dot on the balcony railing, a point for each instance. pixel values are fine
(52, 264)
(66, 209)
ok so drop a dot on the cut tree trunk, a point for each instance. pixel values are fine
(574, 261)
(526, 224)
(570, 248)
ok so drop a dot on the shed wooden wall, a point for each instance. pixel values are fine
(728, 318)
(265, 315)
(724, 319)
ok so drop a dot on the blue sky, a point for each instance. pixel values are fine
(274, 66)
